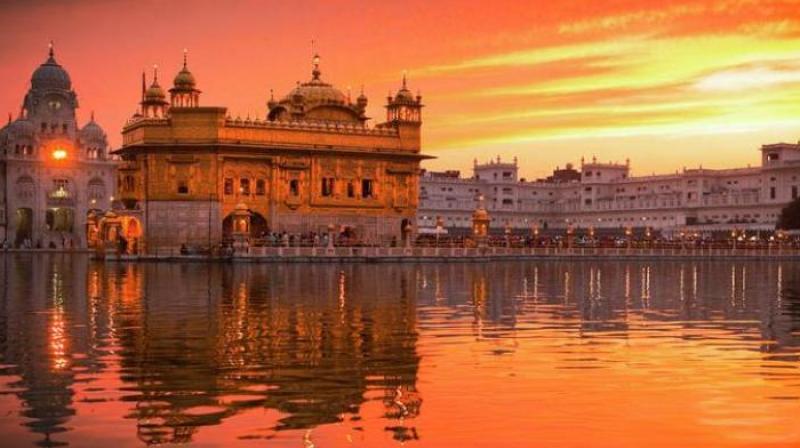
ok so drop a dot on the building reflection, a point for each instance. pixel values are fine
(193, 345)
(310, 342)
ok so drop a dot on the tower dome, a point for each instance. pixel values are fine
(316, 100)
(21, 128)
(51, 75)
(184, 80)
(317, 91)
(155, 93)
(184, 92)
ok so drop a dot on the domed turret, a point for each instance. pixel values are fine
(362, 101)
(51, 75)
(184, 92)
(404, 106)
(155, 92)
(92, 131)
(154, 100)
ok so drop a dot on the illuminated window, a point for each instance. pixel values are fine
(244, 186)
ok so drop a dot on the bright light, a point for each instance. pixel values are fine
(60, 154)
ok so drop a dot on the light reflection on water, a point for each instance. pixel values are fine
(507, 354)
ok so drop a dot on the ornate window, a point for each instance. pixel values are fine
(351, 190)
(367, 188)
(294, 187)
(244, 186)
(327, 186)
(228, 188)
(183, 187)
(261, 187)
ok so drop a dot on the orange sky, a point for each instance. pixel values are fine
(666, 83)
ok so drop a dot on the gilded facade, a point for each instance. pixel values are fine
(311, 164)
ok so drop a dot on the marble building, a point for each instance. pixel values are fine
(194, 175)
(52, 172)
(607, 196)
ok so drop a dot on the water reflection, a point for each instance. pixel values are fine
(164, 353)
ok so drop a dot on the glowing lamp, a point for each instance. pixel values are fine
(59, 154)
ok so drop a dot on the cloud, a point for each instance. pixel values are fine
(747, 78)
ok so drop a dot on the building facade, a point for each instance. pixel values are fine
(53, 173)
(606, 196)
(310, 165)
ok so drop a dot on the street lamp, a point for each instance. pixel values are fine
(628, 234)
(570, 231)
(439, 227)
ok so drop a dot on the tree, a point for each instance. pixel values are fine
(790, 216)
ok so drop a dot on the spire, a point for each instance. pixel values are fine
(185, 54)
(144, 84)
(92, 116)
(50, 52)
(155, 74)
(405, 80)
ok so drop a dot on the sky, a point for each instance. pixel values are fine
(667, 84)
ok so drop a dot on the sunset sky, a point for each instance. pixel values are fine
(666, 83)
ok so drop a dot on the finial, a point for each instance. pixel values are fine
(155, 74)
(50, 50)
(9, 117)
(348, 94)
(92, 116)
(405, 76)
(271, 95)
(314, 61)
(144, 83)
(185, 53)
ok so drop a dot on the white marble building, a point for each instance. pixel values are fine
(606, 196)
(52, 172)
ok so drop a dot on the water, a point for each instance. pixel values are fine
(550, 354)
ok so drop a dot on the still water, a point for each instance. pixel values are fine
(550, 354)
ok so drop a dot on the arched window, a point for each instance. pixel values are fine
(96, 190)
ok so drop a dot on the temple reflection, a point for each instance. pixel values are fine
(187, 346)
(309, 342)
